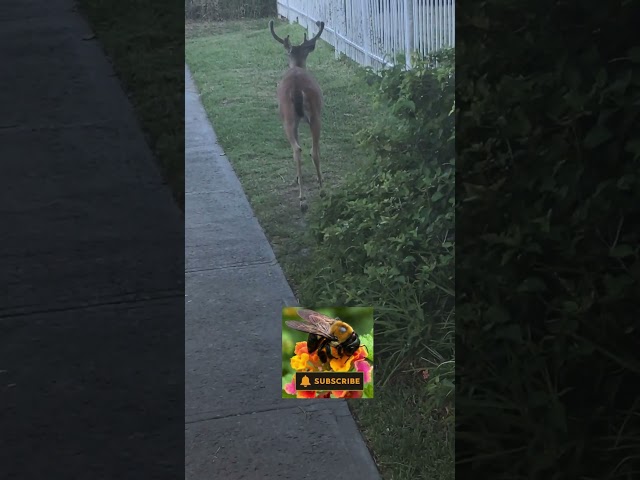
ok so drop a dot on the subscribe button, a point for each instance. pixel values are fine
(330, 381)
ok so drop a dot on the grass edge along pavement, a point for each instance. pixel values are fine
(221, 57)
(158, 99)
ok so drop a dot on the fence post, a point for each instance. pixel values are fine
(335, 11)
(452, 24)
(408, 31)
(366, 32)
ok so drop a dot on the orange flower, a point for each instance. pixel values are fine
(342, 364)
(360, 354)
(315, 360)
(306, 394)
(301, 347)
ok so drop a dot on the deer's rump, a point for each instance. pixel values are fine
(299, 92)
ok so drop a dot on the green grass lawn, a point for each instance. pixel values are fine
(236, 66)
(145, 41)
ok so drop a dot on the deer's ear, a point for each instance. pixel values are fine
(287, 44)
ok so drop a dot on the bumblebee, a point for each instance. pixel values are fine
(326, 335)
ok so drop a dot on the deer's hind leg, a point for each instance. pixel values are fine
(315, 148)
(291, 129)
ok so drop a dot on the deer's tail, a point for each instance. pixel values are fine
(297, 97)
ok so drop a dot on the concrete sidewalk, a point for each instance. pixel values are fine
(91, 264)
(237, 426)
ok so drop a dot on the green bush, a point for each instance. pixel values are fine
(386, 238)
(548, 261)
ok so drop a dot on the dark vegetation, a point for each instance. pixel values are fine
(548, 100)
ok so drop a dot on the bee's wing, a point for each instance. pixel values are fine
(315, 317)
(305, 327)
(315, 323)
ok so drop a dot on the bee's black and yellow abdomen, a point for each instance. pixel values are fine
(352, 344)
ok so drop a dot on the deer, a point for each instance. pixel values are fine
(300, 98)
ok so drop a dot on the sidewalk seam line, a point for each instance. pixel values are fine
(252, 412)
(87, 305)
(235, 265)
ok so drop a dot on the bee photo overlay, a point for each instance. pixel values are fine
(327, 352)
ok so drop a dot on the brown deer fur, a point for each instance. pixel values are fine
(300, 97)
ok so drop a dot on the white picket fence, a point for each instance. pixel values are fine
(373, 32)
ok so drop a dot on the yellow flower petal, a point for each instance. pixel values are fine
(299, 362)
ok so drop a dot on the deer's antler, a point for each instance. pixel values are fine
(278, 39)
(285, 42)
(317, 35)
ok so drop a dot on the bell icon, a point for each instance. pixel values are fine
(305, 381)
